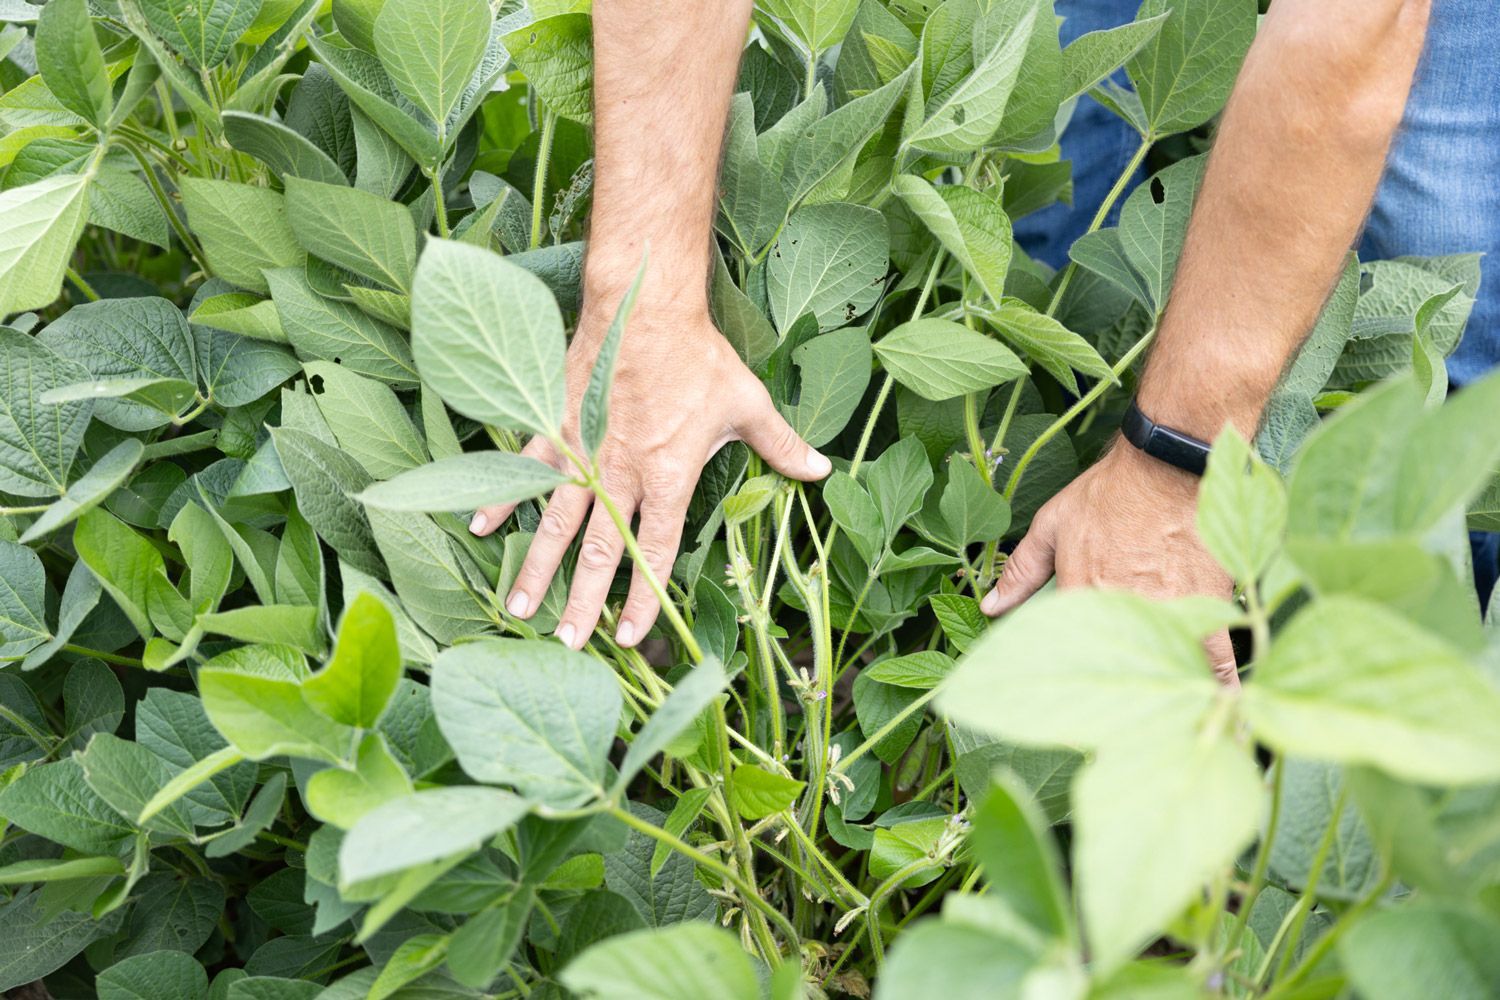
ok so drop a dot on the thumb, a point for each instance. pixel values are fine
(1221, 655)
(766, 430)
(1027, 570)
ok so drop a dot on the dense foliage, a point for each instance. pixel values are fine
(301, 278)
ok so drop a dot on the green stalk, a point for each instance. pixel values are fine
(83, 286)
(1104, 209)
(1261, 867)
(884, 731)
(539, 180)
(1084, 402)
(439, 204)
(747, 892)
(160, 194)
(1291, 927)
(32, 732)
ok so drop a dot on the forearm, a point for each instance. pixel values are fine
(1294, 169)
(661, 96)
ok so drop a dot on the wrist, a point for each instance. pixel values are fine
(1149, 479)
(675, 285)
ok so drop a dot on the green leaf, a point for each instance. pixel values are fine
(283, 624)
(969, 224)
(153, 975)
(966, 116)
(264, 716)
(38, 943)
(908, 843)
(37, 441)
(488, 337)
(1158, 815)
(694, 693)
(185, 781)
(361, 676)
(1082, 668)
(325, 481)
(40, 228)
(54, 802)
(424, 827)
(557, 55)
(593, 416)
(323, 329)
(1184, 73)
(1151, 232)
(1311, 793)
(127, 776)
(463, 482)
(687, 961)
(555, 710)
(1425, 948)
(1012, 841)
(1241, 508)
(355, 230)
(960, 617)
(341, 797)
(56, 870)
(1058, 350)
(803, 161)
(202, 31)
(132, 571)
(430, 576)
(432, 50)
(939, 359)
(70, 60)
(957, 961)
(756, 793)
(367, 418)
(830, 260)
(922, 671)
(416, 957)
(387, 131)
(23, 607)
(752, 199)
(1095, 56)
(855, 513)
(835, 369)
(244, 230)
(289, 154)
(240, 313)
(973, 509)
(689, 805)
(1348, 682)
(819, 24)
(121, 201)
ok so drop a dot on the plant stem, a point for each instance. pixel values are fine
(884, 731)
(1084, 402)
(747, 892)
(1291, 927)
(1261, 867)
(539, 180)
(1105, 207)
(154, 183)
(83, 286)
(32, 732)
(439, 204)
(99, 654)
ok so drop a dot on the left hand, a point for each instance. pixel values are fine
(1129, 522)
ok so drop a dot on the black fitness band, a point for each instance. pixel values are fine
(1163, 443)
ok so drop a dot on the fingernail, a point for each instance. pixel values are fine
(818, 463)
(564, 634)
(991, 603)
(518, 604)
(478, 522)
(625, 634)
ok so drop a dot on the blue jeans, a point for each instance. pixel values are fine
(1440, 193)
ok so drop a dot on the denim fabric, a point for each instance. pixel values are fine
(1097, 142)
(1441, 192)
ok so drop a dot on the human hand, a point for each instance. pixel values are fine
(1126, 523)
(680, 394)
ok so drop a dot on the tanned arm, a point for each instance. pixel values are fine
(662, 87)
(1293, 171)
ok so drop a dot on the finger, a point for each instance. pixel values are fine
(764, 429)
(554, 533)
(598, 558)
(487, 519)
(662, 518)
(1221, 655)
(1027, 570)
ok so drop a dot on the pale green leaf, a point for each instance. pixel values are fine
(939, 359)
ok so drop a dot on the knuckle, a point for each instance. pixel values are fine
(554, 525)
(597, 554)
